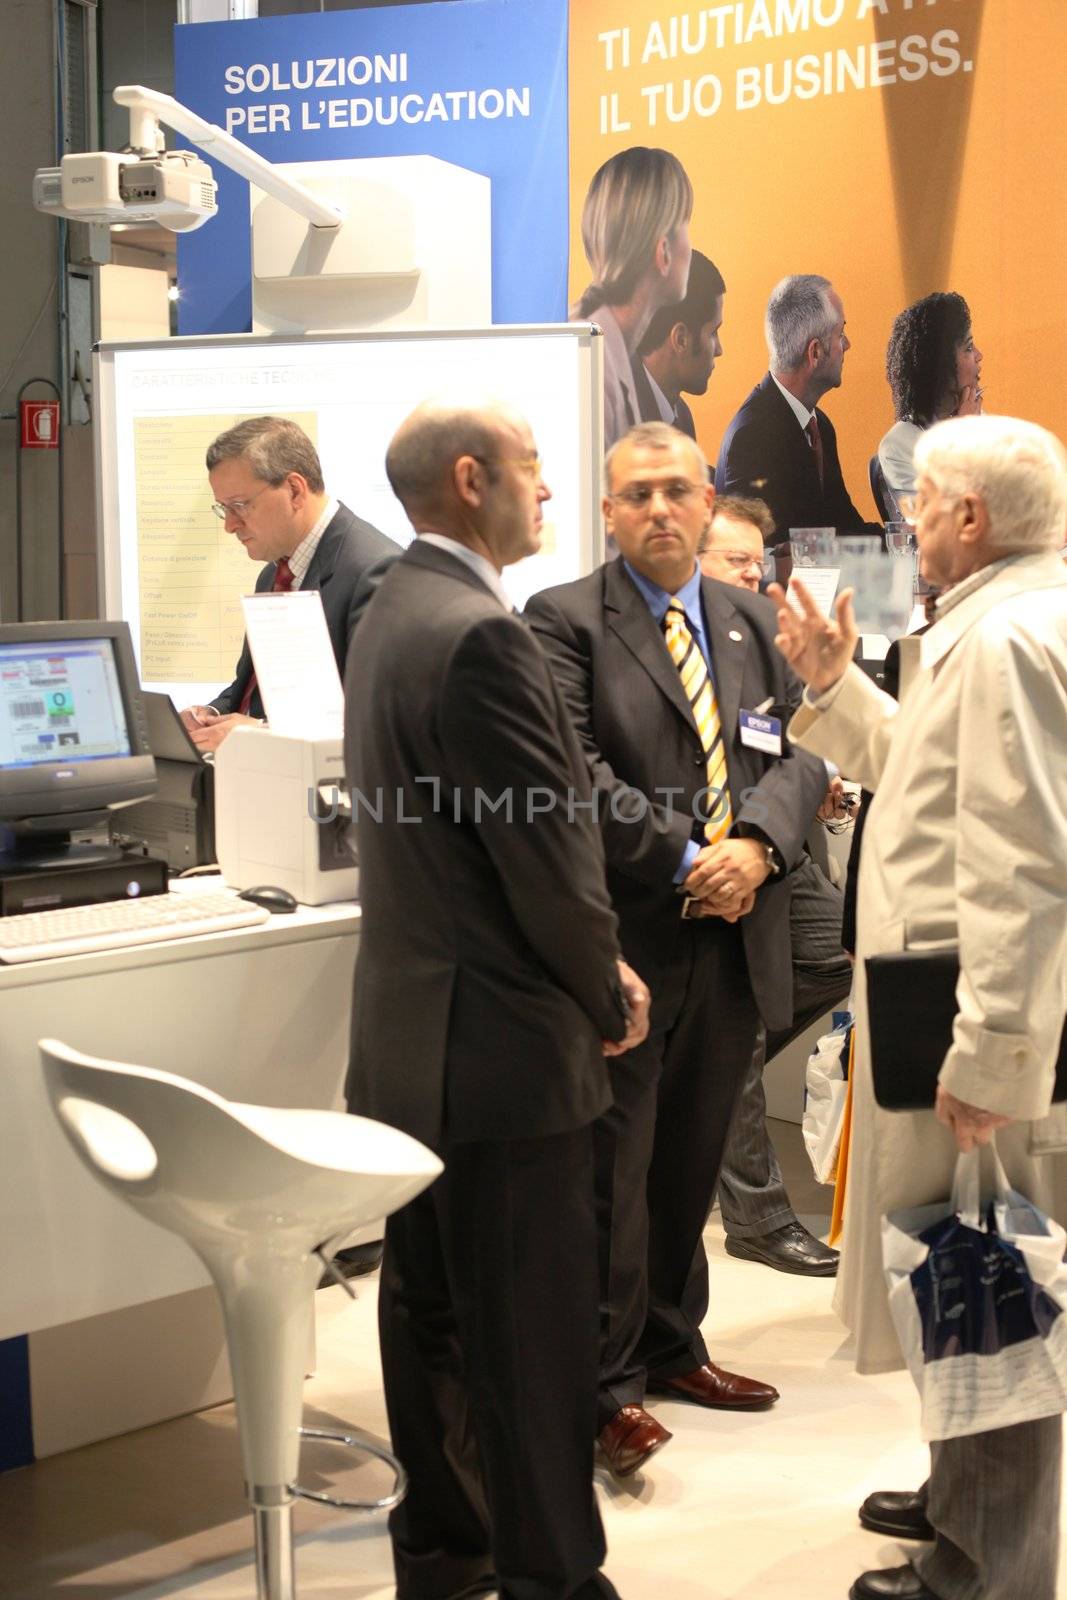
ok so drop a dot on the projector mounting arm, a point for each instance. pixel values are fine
(148, 109)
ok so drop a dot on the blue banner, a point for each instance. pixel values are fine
(481, 83)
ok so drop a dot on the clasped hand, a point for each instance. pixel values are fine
(725, 876)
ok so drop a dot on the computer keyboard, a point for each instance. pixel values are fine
(81, 930)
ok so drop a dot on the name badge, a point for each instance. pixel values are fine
(761, 733)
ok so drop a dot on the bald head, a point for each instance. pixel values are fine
(469, 470)
(422, 455)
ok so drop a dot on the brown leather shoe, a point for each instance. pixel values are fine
(630, 1438)
(713, 1386)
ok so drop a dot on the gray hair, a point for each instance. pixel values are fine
(1018, 469)
(654, 436)
(425, 447)
(798, 311)
(273, 447)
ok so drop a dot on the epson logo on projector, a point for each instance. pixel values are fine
(87, 179)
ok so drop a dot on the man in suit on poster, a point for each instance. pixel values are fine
(680, 347)
(662, 671)
(780, 447)
(269, 491)
(487, 983)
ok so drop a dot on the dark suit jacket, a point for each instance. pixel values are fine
(486, 974)
(646, 401)
(765, 452)
(345, 569)
(625, 696)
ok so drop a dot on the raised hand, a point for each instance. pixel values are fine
(817, 648)
(969, 403)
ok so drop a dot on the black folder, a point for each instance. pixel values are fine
(911, 1006)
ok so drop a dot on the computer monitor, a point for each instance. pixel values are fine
(73, 737)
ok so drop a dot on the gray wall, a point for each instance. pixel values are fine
(30, 264)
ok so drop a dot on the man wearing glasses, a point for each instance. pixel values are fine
(672, 683)
(268, 487)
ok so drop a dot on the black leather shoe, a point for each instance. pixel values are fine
(900, 1513)
(891, 1583)
(788, 1249)
(355, 1262)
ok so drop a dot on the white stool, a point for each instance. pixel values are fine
(257, 1193)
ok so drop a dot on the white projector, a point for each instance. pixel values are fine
(174, 188)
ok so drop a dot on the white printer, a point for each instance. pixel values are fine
(282, 810)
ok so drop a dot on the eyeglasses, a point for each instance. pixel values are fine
(237, 508)
(638, 495)
(532, 466)
(738, 559)
(909, 506)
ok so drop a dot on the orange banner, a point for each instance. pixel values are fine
(896, 146)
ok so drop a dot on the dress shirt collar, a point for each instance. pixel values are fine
(300, 559)
(658, 599)
(797, 407)
(479, 564)
(663, 405)
(966, 602)
(977, 580)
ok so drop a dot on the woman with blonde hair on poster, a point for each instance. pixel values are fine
(635, 229)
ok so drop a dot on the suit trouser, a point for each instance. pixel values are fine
(994, 1501)
(487, 1318)
(658, 1151)
(752, 1194)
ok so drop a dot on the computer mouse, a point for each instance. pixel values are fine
(270, 897)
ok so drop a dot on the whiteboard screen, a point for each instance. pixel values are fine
(170, 568)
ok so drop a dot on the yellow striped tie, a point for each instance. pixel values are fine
(693, 671)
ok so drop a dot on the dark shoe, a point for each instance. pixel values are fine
(898, 1512)
(788, 1249)
(890, 1583)
(355, 1262)
(629, 1439)
(713, 1386)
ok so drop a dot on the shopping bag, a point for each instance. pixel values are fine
(977, 1294)
(837, 1209)
(825, 1092)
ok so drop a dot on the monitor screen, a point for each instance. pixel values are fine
(73, 737)
(60, 701)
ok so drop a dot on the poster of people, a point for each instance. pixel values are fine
(840, 187)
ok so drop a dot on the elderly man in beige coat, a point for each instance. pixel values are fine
(966, 844)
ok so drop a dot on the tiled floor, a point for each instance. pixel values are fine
(758, 1507)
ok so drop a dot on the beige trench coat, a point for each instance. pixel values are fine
(966, 843)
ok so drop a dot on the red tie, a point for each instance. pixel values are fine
(815, 440)
(283, 582)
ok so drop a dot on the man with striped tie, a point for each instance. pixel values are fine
(672, 683)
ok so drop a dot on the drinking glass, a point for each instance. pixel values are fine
(882, 585)
(813, 547)
(900, 539)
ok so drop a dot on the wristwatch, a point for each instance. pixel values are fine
(771, 857)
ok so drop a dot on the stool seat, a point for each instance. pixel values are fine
(257, 1192)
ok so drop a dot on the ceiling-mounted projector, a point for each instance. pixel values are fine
(172, 187)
